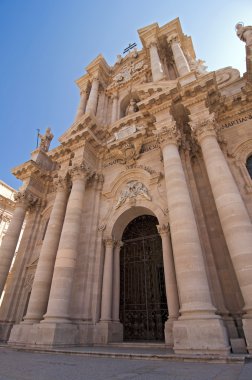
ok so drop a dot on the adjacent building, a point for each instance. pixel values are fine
(139, 223)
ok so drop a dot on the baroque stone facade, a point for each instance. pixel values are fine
(139, 222)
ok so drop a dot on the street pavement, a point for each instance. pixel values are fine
(21, 365)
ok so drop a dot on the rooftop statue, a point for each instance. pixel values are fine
(244, 33)
(45, 140)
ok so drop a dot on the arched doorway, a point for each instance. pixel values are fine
(143, 305)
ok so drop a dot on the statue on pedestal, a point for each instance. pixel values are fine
(244, 33)
(45, 140)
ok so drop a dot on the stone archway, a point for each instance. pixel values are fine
(143, 304)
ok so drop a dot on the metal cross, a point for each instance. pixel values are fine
(131, 46)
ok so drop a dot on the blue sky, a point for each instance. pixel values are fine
(45, 46)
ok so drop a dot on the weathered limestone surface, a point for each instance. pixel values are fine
(171, 157)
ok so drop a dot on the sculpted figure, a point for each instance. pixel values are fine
(244, 33)
(132, 107)
(45, 140)
(119, 59)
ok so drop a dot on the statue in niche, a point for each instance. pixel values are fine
(132, 107)
(244, 33)
(45, 140)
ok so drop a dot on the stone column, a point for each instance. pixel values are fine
(116, 282)
(60, 293)
(179, 57)
(156, 66)
(82, 105)
(234, 218)
(93, 97)
(114, 109)
(44, 272)
(9, 243)
(198, 328)
(170, 282)
(107, 282)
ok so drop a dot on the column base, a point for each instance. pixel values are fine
(200, 336)
(247, 328)
(44, 335)
(168, 330)
(5, 330)
(108, 332)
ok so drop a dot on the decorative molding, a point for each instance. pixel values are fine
(25, 198)
(168, 133)
(132, 190)
(203, 128)
(163, 229)
(109, 242)
(129, 71)
(79, 171)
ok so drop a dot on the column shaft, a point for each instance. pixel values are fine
(114, 109)
(180, 59)
(190, 269)
(116, 283)
(156, 66)
(44, 272)
(10, 241)
(107, 282)
(82, 105)
(67, 254)
(93, 97)
(169, 272)
(233, 215)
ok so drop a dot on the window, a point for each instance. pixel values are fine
(249, 166)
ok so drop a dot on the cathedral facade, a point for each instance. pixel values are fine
(138, 225)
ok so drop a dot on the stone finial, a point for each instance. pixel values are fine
(45, 140)
(244, 33)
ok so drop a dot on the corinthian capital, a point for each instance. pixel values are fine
(61, 183)
(168, 133)
(79, 171)
(203, 128)
(163, 229)
(25, 198)
(109, 242)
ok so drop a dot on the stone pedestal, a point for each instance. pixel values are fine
(44, 335)
(247, 328)
(5, 330)
(200, 336)
(108, 332)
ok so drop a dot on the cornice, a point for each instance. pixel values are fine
(28, 169)
(97, 66)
